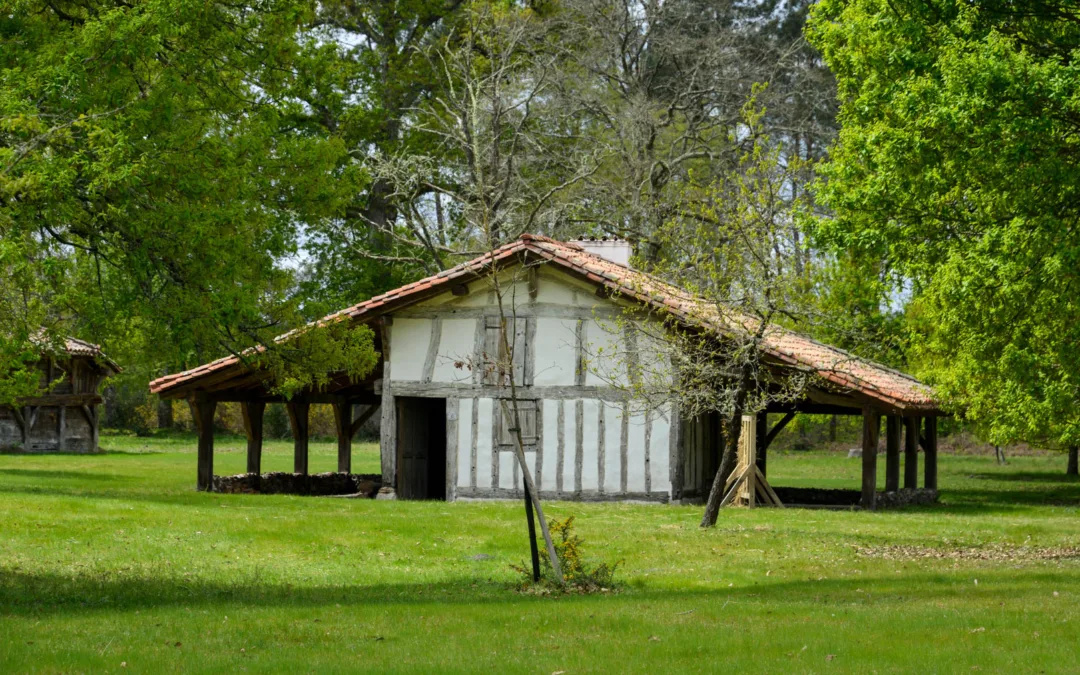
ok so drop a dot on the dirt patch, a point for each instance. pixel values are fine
(994, 552)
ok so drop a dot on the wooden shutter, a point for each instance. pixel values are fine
(527, 413)
(495, 358)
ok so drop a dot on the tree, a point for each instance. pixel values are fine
(146, 176)
(958, 164)
(733, 256)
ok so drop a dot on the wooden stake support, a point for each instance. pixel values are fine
(747, 483)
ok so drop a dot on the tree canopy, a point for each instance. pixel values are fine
(957, 164)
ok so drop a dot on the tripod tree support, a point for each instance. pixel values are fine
(747, 483)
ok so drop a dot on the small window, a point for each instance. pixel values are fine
(527, 414)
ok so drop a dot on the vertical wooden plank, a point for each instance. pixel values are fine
(61, 428)
(930, 453)
(648, 449)
(761, 430)
(870, 430)
(473, 441)
(601, 449)
(452, 413)
(892, 453)
(252, 412)
(911, 452)
(433, 350)
(388, 421)
(343, 410)
(675, 460)
(298, 421)
(560, 456)
(579, 354)
(624, 447)
(530, 354)
(202, 412)
(579, 442)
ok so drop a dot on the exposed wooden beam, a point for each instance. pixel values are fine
(62, 399)
(202, 412)
(343, 426)
(364, 417)
(778, 427)
(892, 453)
(930, 454)
(298, 420)
(252, 412)
(911, 452)
(870, 430)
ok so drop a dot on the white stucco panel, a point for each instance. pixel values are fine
(635, 453)
(570, 444)
(507, 460)
(604, 353)
(484, 419)
(660, 449)
(464, 442)
(550, 438)
(409, 340)
(456, 345)
(555, 348)
(590, 425)
(612, 447)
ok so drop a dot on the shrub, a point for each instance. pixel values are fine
(579, 576)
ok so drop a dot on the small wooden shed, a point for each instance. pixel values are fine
(66, 417)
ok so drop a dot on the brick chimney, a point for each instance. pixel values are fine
(615, 250)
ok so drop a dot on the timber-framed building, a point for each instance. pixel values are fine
(442, 432)
(66, 416)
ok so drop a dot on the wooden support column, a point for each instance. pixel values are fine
(253, 427)
(761, 425)
(930, 452)
(203, 414)
(892, 453)
(911, 452)
(343, 423)
(298, 420)
(388, 423)
(61, 428)
(870, 431)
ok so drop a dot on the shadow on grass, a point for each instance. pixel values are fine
(52, 474)
(1030, 477)
(23, 594)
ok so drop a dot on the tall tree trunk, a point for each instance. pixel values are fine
(731, 452)
(1073, 469)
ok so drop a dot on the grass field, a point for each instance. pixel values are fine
(114, 563)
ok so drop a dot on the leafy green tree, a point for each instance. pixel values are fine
(958, 163)
(150, 176)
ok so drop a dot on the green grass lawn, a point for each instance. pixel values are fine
(114, 563)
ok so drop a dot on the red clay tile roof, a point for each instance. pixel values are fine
(841, 368)
(77, 347)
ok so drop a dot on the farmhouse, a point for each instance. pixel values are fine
(443, 432)
(65, 417)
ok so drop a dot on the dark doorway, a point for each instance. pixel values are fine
(421, 448)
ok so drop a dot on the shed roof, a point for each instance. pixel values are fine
(76, 347)
(842, 369)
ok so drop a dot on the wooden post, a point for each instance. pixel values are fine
(930, 478)
(762, 441)
(911, 452)
(892, 453)
(61, 428)
(253, 427)
(298, 420)
(871, 428)
(203, 414)
(343, 423)
(1073, 466)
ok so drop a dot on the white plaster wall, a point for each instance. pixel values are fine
(590, 413)
(555, 348)
(635, 453)
(605, 354)
(554, 291)
(484, 420)
(464, 444)
(612, 447)
(550, 437)
(456, 344)
(570, 447)
(659, 450)
(506, 470)
(409, 340)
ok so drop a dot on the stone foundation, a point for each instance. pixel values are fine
(316, 484)
(827, 497)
